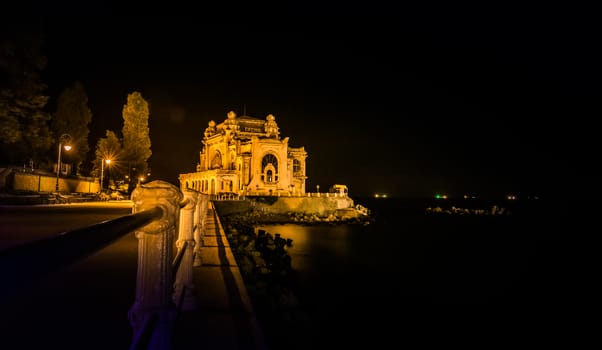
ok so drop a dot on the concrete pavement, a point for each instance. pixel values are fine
(224, 317)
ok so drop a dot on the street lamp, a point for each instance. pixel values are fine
(102, 170)
(65, 138)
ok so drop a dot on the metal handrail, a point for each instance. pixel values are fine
(25, 263)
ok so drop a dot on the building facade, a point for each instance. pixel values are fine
(246, 156)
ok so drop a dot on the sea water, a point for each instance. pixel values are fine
(413, 276)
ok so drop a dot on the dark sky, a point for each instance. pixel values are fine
(411, 101)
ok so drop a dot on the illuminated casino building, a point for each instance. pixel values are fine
(246, 156)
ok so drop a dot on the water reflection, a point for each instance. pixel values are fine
(312, 241)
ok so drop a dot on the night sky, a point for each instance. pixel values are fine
(484, 100)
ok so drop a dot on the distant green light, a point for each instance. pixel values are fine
(438, 196)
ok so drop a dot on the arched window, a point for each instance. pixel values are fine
(296, 166)
(269, 168)
(269, 159)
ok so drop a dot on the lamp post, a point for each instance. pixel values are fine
(66, 138)
(102, 170)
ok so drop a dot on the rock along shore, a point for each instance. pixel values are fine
(265, 266)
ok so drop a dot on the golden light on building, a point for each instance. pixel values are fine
(246, 156)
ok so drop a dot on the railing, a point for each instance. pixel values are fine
(325, 194)
(236, 197)
(227, 197)
(164, 283)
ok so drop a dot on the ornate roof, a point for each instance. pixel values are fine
(244, 126)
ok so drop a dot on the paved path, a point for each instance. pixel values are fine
(224, 318)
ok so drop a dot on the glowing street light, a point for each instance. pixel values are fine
(65, 138)
(102, 170)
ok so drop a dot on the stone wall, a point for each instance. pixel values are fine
(321, 206)
(40, 183)
(233, 207)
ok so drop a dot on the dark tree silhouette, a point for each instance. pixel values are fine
(73, 117)
(24, 132)
(109, 147)
(136, 139)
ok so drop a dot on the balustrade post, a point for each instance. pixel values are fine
(154, 281)
(184, 287)
(200, 227)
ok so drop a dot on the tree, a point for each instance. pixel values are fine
(73, 117)
(136, 139)
(108, 147)
(24, 133)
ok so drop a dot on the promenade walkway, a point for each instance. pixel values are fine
(224, 317)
